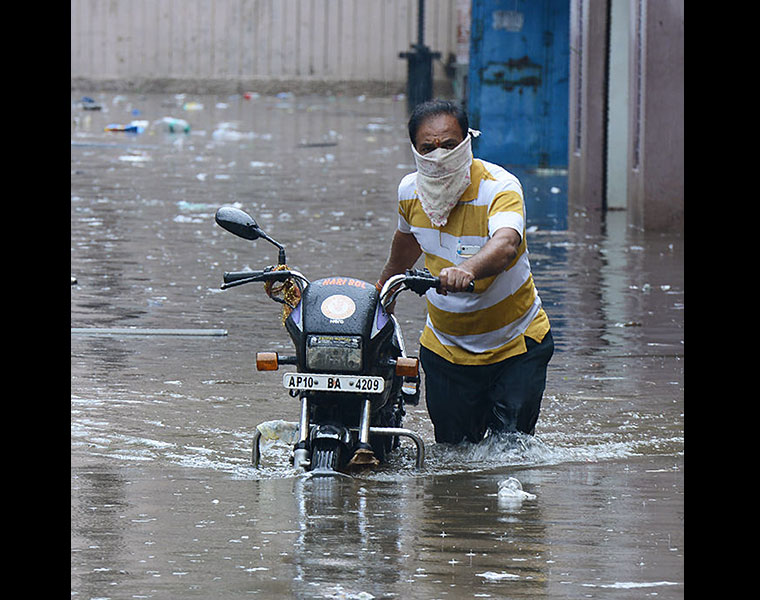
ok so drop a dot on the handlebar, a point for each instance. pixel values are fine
(234, 278)
(417, 280)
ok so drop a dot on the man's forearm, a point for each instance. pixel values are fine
(493, 258)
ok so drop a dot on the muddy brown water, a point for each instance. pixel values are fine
(164, 501)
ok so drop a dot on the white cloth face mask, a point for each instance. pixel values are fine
(442, 176)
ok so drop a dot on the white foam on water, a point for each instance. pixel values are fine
(631, 585)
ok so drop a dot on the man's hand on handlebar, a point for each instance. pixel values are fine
(420, 281)
(454, 279)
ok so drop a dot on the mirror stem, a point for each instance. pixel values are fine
(281, 259)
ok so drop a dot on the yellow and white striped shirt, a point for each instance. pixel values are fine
(489, 324)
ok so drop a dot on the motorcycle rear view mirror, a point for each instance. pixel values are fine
(238, 222)
(243, 225)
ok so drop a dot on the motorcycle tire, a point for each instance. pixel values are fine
(382, 445)
(325, 455)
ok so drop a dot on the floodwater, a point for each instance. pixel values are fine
(164, 500)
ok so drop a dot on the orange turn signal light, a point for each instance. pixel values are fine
(266, 361)
(407, 367)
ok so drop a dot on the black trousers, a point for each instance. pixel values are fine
(463, 401)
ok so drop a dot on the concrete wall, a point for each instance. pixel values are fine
(588, 69)
(267, 45)
(656, 123)
(651, 103)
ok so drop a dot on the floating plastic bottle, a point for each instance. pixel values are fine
(176, 125)
(511, 488)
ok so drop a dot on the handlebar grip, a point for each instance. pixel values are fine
(421, 281)
(470, 286)
(232, 276)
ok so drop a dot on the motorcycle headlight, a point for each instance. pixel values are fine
(334, 353)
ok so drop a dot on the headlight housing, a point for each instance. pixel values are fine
(334, 353)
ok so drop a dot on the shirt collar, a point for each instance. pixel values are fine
(476, 173)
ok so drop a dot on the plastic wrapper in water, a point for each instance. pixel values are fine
(278, 429)
(511, 489)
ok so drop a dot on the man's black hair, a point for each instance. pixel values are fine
(435, 107)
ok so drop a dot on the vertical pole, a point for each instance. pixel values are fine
(419, 85)
(420, 23)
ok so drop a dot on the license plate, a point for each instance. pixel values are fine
(362, 384)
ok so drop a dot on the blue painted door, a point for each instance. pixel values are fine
(518, 81)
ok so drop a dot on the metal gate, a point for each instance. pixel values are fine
(518, 81)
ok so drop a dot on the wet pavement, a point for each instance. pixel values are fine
(164, 501)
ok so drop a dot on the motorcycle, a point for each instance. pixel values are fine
(351, 371)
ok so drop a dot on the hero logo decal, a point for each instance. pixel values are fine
(338, 307)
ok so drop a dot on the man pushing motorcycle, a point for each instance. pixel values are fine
(485, 353)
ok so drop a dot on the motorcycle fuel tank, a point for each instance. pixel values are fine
(339, 305)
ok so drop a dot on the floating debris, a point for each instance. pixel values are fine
(136, 331)
(175, 125)
(511, 488)
(317, 144)
(493, 576)
(88, 103)
(132, 127)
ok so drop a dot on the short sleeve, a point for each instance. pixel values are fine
(506, 210)
(406, 191)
